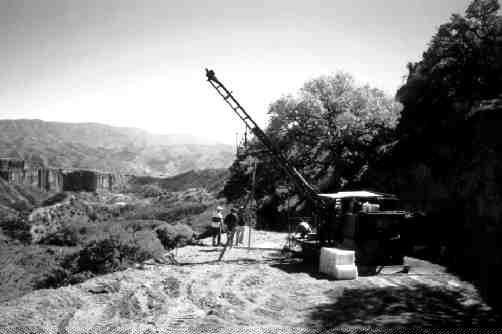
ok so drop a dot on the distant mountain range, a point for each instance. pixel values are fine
(108, 148)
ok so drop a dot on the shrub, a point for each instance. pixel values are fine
(148, 246)
(168, 214)
(14, 226)
(67, 235)
(150, 190)
(112, 251)
(101, 256)
(139, 225)
(111, 247)
(68, 231)
(24, 267)
(172, 236)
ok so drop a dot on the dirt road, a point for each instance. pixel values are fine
(253, 288)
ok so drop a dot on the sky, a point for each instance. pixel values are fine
(141, 63)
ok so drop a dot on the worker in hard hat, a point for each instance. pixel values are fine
(216, 225)
(231, 222)
(304, 229)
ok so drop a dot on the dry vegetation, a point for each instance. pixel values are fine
(75, 236)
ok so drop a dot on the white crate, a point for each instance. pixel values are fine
(348, 271)
(337, 256)
(338, 263)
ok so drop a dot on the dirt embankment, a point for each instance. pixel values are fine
(253, 288)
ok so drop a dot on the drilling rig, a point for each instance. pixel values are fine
(372, 226)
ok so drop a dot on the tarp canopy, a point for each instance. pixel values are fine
(359, 193)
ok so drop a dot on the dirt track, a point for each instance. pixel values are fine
(253, 288)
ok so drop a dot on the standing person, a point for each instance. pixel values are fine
(216, 222)
(241, 222)
(231, 223)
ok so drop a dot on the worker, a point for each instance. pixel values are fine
(304, 229)
(216, 225)
(241, 222)
(231, 222)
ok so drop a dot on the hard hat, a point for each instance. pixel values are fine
(219, 208)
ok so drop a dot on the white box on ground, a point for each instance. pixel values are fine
(348, 271)
(337, 256)
(338, 263)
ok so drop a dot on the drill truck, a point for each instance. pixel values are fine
(374, 230)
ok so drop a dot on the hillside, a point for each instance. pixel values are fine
(212, 180)
(19, 197)
(107, 148)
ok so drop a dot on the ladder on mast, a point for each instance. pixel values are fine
(299, 181)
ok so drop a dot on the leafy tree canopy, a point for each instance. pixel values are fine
(328, 131)
(462, 65)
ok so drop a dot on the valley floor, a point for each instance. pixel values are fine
(256, 287)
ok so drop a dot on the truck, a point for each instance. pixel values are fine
(370, 223)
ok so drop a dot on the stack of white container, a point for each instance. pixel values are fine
(338, 263)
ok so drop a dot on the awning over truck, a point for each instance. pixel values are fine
(359, 193)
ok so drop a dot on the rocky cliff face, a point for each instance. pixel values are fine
(52, 179)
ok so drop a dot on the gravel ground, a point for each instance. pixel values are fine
(256, 287)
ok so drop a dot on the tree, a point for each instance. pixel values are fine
(329, 130)
(461, 66)
(446, 162)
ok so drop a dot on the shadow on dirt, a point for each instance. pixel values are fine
(416, 306)
(297, 265)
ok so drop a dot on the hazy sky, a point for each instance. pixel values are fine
(141, 63)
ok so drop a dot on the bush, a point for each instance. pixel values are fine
(140, 225)
(80, 231)
(172, 236)
(167, 214)
(147, 245)
(68, 231)
(102, 256)
(24, 267)
(68, 235)
(150, 190)
(14, 226)
(111, 247)
(115, 250)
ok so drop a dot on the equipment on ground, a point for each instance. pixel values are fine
(372, 230)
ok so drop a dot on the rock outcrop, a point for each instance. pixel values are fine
(53, 179)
